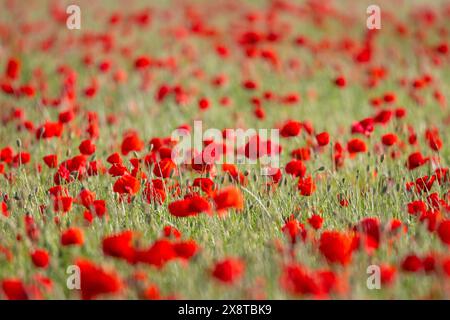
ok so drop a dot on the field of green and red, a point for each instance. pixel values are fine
(94, 205)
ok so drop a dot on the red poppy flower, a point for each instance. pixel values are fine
(66, 116)
(14, 289)
(228, 271)
(389, 139)
(306, 186)
(119, 246)
(40, 258)
(296, 280)
(161, 252)
(49, 130)
(86, 198)
(164, 168)
(294, 230)
(142, 62)
(415, 160)
(383, 117)
(4, 209)
(7, 154)
(429, 263)
(114, 159)
(117, 170)
(303, 154)
(446, 266)
(315, 221)
(323, 139)
(430, 218)
(95, 281)
(13, 68)
(189, 206)
(371, 229)
(387, 274)
(442, 175)
(336, 247)
(296, 168)
(444, 231)
(87, 147)
(62, 204)
(131, 142)
(229, 197)
(425, 183)
(343, 202)
(204, 104)
(51, 160)
(21, 158)
(205, 184)
(417, 207)
(127, 184)
(291, 129)
(356, 145)
(340, 81)
(434, 139)
(412, 263)
(185, 249)
(233, 171)
(155, 191)
(364, 126)
(72, 236)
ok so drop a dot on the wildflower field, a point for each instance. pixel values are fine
(347, 197)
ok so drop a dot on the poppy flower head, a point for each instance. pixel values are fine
(336, 247)
(127, 184)
(131, 142)
(227, 198)
(40, 258)
(96, 281)
(72, 237)
(356, 146)
(229, 270)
